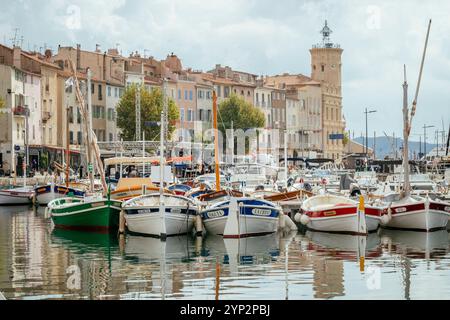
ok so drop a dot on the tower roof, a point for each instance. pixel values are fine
(326, 41)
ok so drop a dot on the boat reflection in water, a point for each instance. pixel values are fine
(244, 251)
(150, 249)
(164, 263)
(85, 241)
(345, 246)
(15, 209)
(414, 244)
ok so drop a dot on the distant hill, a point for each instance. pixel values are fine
(383, 146)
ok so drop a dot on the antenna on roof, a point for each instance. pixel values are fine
(14, 39)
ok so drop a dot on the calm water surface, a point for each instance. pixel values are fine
(38, 262)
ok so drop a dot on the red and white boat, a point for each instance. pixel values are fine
(21, 195)
(416, 213)
(337, 214)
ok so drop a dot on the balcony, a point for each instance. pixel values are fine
(46, 115)
(20, 111)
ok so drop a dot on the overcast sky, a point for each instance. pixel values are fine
(267, 37)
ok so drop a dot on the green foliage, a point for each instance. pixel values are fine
(43, 160)
(2, 102)
(151, 107)
(243, 114)
(346, 139)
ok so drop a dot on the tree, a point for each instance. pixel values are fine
(243, 114)
(151, 108)
(346, 139)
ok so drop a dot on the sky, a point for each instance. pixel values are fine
(265, 38)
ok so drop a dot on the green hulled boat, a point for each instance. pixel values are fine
(98, 214)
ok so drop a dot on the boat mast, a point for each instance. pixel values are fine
(89, 133)
(405, 136)
(408, 119)
(67, 147)
(216, 142)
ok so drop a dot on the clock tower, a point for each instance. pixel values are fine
(326, 68)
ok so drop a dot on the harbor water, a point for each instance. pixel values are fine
(40, 262)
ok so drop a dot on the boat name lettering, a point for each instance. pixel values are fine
(216, 214)
(261, 212)
(399, 210)
(329, 213)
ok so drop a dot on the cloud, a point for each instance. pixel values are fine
(266, 37)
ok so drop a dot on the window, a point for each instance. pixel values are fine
(200, 115)
(185, 95)
(190, 95)
(109, 91)
(218, 91)
(100, 97)
(70, 115)
(323, 68)
(50, 135)
(71, 137)
(115, 92)
(257, 97)
(78, 115)
(34, 137)
(92, 88)
(189, 115)
(182, 114)
(79, 139)
(179, 94)
(110, 137)
(208, 114)
(226, 92)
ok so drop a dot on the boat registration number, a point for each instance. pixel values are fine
(216, 214)
(261, 212)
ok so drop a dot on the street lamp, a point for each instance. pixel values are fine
(367, 133)
(425, 127)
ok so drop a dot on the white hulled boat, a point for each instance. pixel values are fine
(254, 216)
(21, 195)
(143, 214)
(331, 213)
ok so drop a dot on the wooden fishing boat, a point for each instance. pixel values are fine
(128, 188)
(331, 213)
(143, 214)
(46, 193)
(255, 217)
(89, 214)
(13, 196)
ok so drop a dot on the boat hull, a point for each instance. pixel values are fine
(420, 217)
(48, 193)
(12, 197)
(102, 216)
(142, 215)
(254, 218)
(149, 223)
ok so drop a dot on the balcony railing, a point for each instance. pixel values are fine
(20, 111)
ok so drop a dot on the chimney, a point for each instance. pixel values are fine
(78, 56)
(97, 48)
(48, 54)
(17, 57)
